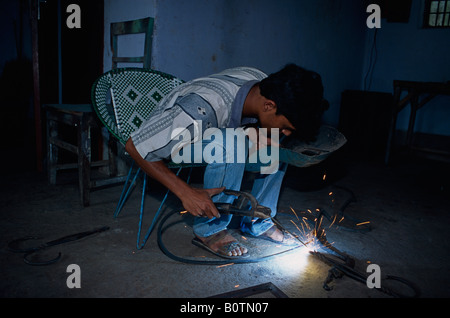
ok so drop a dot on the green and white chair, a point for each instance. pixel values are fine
(123, 99)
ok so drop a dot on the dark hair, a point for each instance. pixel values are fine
(298, 94)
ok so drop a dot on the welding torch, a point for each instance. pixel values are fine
(240, 207)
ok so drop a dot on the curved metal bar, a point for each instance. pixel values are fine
(34, 263)
(17, 241)
(404, 281)
(62, 240)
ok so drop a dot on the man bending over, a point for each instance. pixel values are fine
(290, 100)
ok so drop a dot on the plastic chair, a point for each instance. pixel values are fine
(134, 93)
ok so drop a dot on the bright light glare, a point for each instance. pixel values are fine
(292, 263)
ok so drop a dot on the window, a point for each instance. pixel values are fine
(437, 14)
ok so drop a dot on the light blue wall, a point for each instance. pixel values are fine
(199, 37)
(406, 51)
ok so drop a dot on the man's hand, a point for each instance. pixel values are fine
(198, 202)
(260, 139)
(195, 201)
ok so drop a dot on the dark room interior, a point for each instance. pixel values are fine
(381, 193)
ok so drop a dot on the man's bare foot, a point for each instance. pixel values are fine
(223, 243)
(274, 234)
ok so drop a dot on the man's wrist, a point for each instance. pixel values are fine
(183, 190)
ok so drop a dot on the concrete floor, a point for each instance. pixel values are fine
(406, 203)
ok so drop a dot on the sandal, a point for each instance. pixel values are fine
(224, 250)
(288, 239)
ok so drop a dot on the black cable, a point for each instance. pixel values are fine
(372, 65)
(346, 268)
(163, 248)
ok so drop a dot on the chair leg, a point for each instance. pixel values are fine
(84, 161)
(127, 187)
(189, 175)
(124, 195)
(141, 216)
(52, 152)
(112, 149)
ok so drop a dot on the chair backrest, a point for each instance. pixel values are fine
(124, 98)
(144, 26)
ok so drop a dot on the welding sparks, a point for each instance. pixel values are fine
(296, 226)
(305, 231)
(225, 265)
(320, 223)
(308, 229)
(294, 213)
(334, 220)
(313, 234)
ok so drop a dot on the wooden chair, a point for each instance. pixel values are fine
(140, 26)
(84, 120)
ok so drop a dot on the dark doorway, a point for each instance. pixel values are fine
(70, 58)
(81, 50)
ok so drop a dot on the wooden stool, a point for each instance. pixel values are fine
(84, 119)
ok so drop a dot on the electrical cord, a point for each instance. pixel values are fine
(164, 249)
(337, 270)
(371, 65)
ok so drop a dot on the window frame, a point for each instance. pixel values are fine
(427, 13)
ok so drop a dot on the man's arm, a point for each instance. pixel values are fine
(195, 201)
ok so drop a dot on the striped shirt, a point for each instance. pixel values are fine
(216, 100)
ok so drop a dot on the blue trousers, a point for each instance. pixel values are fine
(228, 173)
